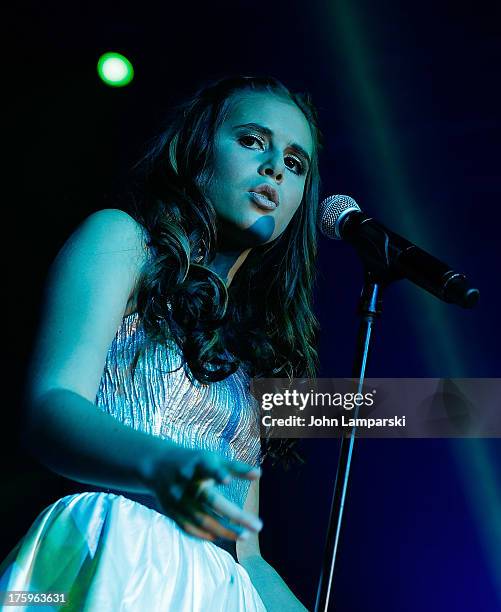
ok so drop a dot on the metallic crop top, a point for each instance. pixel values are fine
(160, 400)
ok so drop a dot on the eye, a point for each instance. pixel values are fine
(250, 140)
(296, 165)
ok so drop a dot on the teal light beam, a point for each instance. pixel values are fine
(472, 457)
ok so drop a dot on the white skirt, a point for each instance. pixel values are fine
(108, 553)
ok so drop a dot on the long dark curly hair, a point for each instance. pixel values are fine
(264, 321)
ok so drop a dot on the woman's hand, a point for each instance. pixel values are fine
(183, 481)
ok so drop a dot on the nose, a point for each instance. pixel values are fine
(274, 167)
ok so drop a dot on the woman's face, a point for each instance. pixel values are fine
(261, 159)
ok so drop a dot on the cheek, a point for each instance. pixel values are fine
(219, 187)
(227, 167)
(282, 221)
(285, 215)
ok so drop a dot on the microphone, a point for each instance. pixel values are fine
(391, 257)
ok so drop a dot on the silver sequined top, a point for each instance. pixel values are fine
(160, 400)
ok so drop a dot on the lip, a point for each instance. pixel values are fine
(262, 201)
(268, 192)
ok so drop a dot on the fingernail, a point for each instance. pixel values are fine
(257, 525)
(244, 535)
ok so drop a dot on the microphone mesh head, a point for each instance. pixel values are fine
(331, 213)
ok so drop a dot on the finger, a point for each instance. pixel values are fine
(222, 475)
(186, 524)
(219, 503)
(212, 467)
(243, 470)
(203, 520)
(196, 488)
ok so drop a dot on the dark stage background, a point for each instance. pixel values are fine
(408, 95)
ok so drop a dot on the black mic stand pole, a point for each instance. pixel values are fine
(370, 306)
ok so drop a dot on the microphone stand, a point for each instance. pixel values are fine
(382, 258)
(370, 306)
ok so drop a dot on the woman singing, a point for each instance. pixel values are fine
(154, 322)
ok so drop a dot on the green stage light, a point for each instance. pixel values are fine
(115, 70)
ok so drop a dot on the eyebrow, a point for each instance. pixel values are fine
(269, 133)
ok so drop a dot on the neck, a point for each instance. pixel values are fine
(226, 263)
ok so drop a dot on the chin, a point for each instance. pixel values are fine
(254, 230)
(261, 230)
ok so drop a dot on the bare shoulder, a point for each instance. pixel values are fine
(112, 229)
(107, 239)
(111, 233)
(89, 287)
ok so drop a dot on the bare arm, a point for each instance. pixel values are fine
(75, 439)
(275, 594)
(87, 291)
